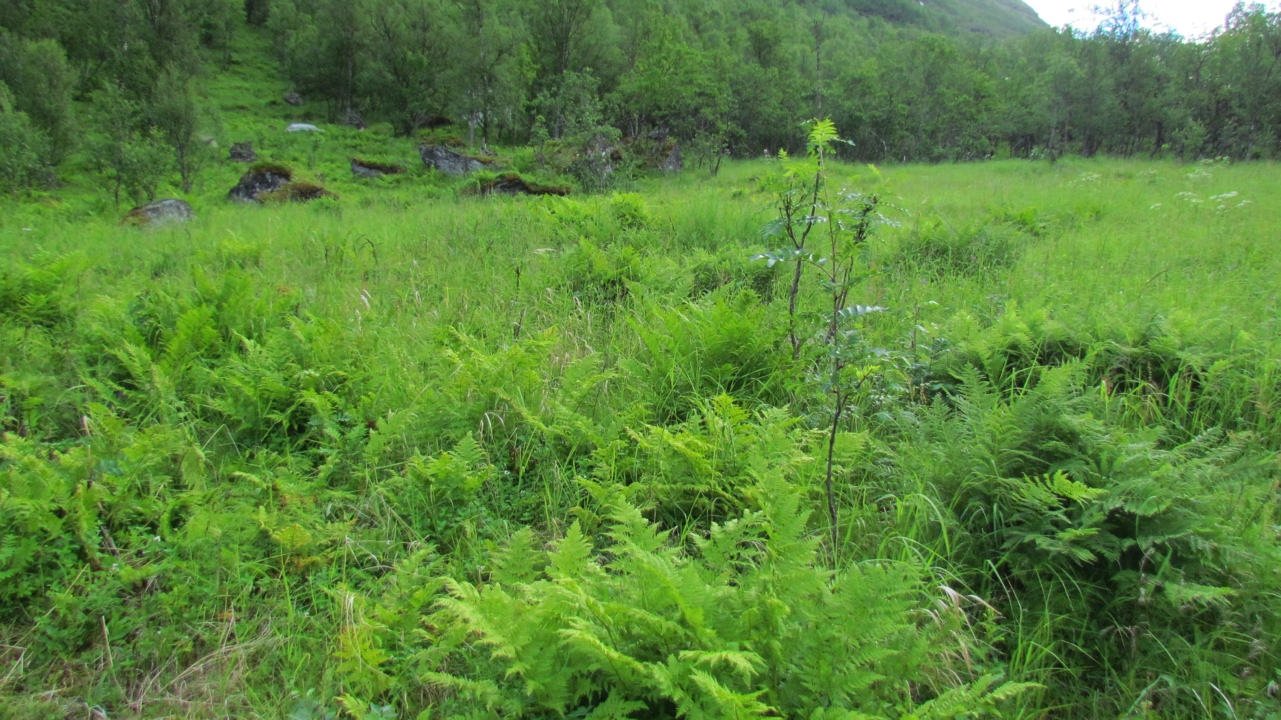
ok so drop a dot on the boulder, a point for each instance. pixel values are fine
(261, 178)
(296, 192)
(672, 162)
(448, 161)
(368, 168)
(293, 98)
(302, 127)
(513, 184)
(432, 122)
(243, 152)
(351, 118)
(160, 212)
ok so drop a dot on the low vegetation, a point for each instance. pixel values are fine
(604, 421)
(532, 456)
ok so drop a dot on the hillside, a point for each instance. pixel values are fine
(999, 18)
(582, 431)
(994, 18)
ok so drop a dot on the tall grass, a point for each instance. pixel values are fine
(245, 458)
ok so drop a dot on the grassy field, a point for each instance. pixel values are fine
(395, 454)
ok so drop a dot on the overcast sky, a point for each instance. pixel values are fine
(1188, 17)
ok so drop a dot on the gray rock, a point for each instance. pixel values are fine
(160, 212)
(302, 127)
(293, 98)
(259, 180)
(243, 152)
(370, 169)
(448, 161)
(674, 162)
(353, 119)
(513, 184)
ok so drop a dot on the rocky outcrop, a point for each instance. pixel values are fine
(161, 212)
(513, 184)
(657, 150)
(302, 127)
(351, 118)
(296, 192)
(432, 122)
(368, 168)
(448, 161)
(672, 162)
(242, 152)
(293, 98)
(262, 178)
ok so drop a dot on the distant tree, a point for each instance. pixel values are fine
(219, 22)
(673, 87)
(132, 157)
(257, 11)
(557, 29)
(402, 58)
(22, 148)
(572, 106)
(175, 114)
(42, 84)
(320, 43)
(489, 68)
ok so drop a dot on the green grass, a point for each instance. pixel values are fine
(244, 458)
(272, 367)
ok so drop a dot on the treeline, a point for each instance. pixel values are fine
(111, 77)
(743, 75)
(722, 76)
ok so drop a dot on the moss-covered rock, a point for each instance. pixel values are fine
(262, 178)
(514, 184)
(296, 192)
(160, 212)
(369, 168)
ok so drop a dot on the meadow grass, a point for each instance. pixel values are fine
(241, 454)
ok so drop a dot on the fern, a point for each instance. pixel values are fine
(748, 625)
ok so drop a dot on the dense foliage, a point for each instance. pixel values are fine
(951, 81)
(784, 437)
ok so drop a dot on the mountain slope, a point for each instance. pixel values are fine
(992, 17)
(997, 18)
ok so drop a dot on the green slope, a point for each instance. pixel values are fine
(997, 18)
(992, 17)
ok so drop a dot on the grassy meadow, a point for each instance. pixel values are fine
(413, 453)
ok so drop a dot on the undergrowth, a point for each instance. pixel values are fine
(545, 456)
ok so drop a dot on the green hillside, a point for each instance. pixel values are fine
(994, 18)
(999, 18)
(713, 386)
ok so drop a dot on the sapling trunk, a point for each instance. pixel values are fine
(791, 308)
(831, 454)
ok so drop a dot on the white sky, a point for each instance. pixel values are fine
(1189, 18)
